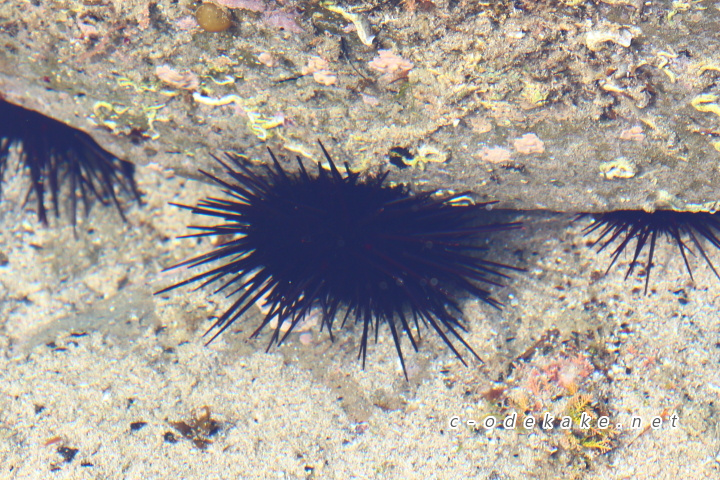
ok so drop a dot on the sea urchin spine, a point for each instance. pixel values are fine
(646, 227)
(344, 243)
(54, 153)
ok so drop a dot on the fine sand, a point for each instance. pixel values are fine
(101, 379)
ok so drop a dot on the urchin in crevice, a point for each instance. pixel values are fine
(347, 244)
(645, 228)
(56, 155)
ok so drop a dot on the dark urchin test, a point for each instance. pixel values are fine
(347, 244)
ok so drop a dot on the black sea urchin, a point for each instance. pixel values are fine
(646, 227)
(344, 243)
(54, 153)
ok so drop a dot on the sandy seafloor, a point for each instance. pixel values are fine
(87, 350)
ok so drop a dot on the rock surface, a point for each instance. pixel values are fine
(621, 95)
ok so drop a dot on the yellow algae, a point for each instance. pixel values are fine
(299, 149)
(217, 102)
(708, 66)
(362, 26)
(260, 124)
(706, 103)
(257, 123)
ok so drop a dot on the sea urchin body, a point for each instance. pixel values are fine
(348, 245)
(646, 227)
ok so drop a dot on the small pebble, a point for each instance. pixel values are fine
(212, 18)
(135, 426)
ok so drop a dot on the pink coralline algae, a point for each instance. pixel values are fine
(278, 18)
(529, 144)
(252, 5)
(392, 66)
(282, 20)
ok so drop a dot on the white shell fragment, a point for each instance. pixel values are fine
(596, 39)
(619, 168)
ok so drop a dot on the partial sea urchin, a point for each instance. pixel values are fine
(344, 243)
(646, 227)
(54, 153)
